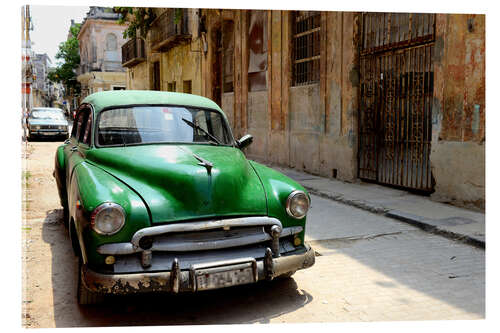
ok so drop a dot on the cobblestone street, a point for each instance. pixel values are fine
(369, 268)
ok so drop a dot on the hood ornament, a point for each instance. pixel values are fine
(204, 163)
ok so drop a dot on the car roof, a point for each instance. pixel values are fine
(115, 98)
(46, 109)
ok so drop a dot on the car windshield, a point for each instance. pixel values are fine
(161, 124)
(47, 114)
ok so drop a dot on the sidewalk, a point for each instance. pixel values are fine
(447, 220)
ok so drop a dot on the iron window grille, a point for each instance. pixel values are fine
(228, 55)
(306, 47)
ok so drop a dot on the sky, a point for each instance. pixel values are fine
(51, 25)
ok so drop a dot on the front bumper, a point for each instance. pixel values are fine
(182, 280)
(48, 132)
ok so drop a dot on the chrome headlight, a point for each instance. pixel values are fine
(108, 218)
(297, 204)
(37, 127)
(61, 127)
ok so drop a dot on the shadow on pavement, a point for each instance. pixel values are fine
(48, 139)
(257, 303)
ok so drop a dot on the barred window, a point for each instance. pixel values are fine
(306, 47)
(257, 50)
(228, 55)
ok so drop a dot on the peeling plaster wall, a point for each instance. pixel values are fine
(315, 127)
(458, 149)
(458, 168)
(305, 128)
(311, 127)
(179, 64)
(228, 108)
(257, 125)
(138, 77)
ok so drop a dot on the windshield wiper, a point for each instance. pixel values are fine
(193, 125)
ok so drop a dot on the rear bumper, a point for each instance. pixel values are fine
(177, 280)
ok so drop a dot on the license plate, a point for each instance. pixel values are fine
(49, 133)
(227, 276)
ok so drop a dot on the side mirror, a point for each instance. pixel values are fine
(245, 141)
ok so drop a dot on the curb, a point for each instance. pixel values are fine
(365, 205)
(420, 222)
(427, 225)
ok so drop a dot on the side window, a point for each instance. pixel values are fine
(77, 125)
(88, 129)
(81, 126)
(73, 129)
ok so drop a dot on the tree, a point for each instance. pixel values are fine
(140, 20)
(70, 54)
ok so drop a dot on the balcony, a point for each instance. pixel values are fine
(133, 52)
(166, 33)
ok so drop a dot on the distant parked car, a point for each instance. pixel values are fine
(158, 196)
(47, 122)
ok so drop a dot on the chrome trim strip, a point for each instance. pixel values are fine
(203, 225)
(117, 248)
(128, 248)
(179, 245)
(175, 276)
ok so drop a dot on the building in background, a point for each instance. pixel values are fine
(100, 40)
(58, 93)
(392, 98)
(26, 61)
(169, 57)
(42, 94)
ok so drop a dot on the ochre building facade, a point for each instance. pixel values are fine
(396, 99)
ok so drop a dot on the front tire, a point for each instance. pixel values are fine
(66, 217)
(85, 296)
(285, 276)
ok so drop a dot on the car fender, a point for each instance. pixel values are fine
(90, 187)
(278, 187)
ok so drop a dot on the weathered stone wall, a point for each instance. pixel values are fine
(312, 127)
(258, 125)
(228, 107)
(179, 64)
(315, 127)
(102, 81)
(458, 141)
(138, 77)
(95, 49)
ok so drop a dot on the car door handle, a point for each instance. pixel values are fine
(74, 148)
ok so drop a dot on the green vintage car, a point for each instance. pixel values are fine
(158, 196)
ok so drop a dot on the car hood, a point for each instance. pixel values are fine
(58, 122)
(175, 187)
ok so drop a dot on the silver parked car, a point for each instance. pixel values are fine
(47, 122)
